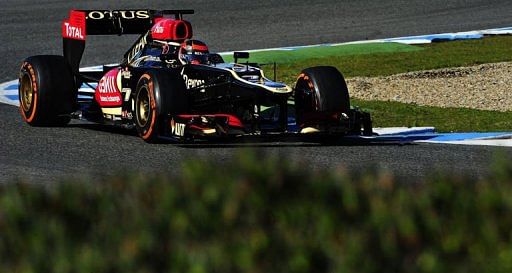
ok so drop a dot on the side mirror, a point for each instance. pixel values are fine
(240, 55)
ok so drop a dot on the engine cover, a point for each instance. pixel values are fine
(170, 29)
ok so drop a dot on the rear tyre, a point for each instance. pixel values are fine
(158, 95)
(46, 91)
(320, 90)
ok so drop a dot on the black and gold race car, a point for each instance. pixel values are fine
(169, 86)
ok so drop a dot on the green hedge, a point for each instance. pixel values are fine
(259, 213)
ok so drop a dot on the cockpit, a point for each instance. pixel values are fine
(172, 54)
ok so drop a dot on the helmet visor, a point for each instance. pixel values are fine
(196, 58)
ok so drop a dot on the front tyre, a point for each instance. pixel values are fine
(159, 94)
(319, 92)
(46, 91)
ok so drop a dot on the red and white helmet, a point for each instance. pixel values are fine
(193, 52)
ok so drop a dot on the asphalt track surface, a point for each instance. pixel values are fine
(48, 154)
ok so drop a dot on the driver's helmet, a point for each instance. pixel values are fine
(193, 52)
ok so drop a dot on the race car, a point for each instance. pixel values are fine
(169, 86)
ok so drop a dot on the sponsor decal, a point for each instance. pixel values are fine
(177, 129)
(107, 92)
(137, 48)
(281, 88)
(126, 74)
(158, 29)
(126, 115)
(192, 83)
(124, 14)
(73, 32)
(74, 28)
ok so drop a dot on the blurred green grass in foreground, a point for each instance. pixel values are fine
(259, 213)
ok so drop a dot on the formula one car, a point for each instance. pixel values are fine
(169, 86)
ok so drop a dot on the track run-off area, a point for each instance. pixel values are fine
(47, 154)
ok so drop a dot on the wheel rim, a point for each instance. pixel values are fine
(26, 92)
(143, 107)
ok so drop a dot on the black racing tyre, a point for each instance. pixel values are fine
(46, 90)
(159, 93)
(320, 89)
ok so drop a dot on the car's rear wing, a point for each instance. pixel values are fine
(82, 23)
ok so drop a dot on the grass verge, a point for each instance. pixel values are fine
(325, 51)
(360, 60)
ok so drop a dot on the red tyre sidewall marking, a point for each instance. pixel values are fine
(315, 103)
(33, 106)
(152, 103)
